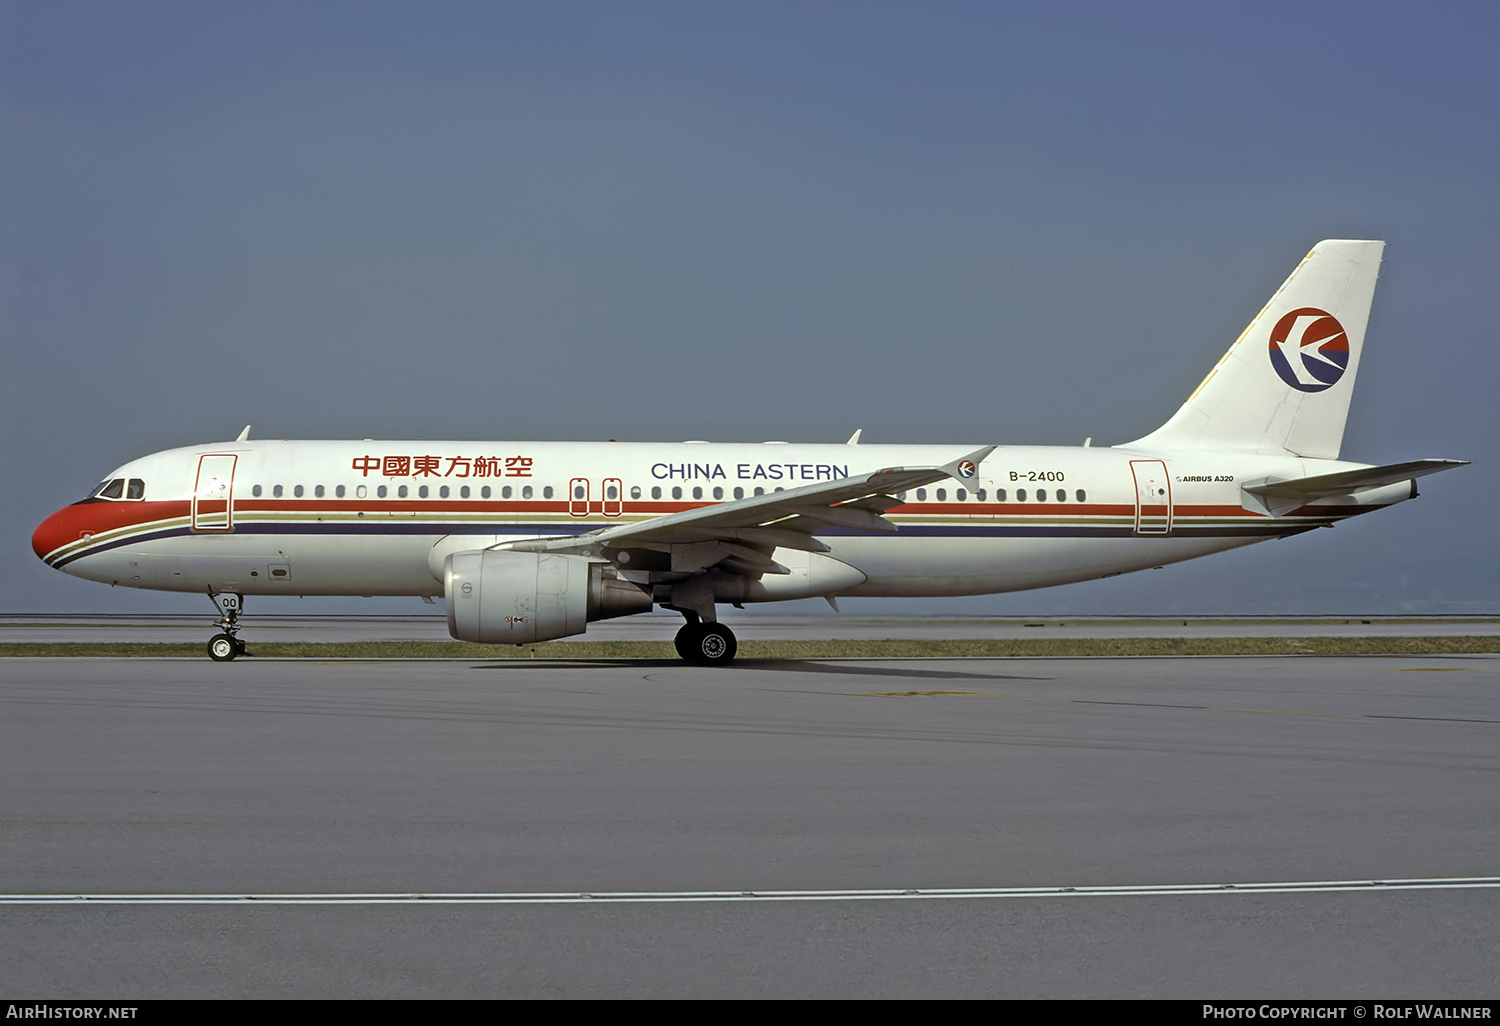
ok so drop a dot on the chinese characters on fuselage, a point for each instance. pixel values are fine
(443, 466)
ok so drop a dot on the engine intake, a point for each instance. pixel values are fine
(514, 598)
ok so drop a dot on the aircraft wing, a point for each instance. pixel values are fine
(1282, 496)
(740, 535)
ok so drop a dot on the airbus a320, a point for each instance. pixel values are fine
(530, 541)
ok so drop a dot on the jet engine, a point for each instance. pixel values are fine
(514, 598)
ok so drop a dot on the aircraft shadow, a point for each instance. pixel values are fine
(859, 670)
(771, 665)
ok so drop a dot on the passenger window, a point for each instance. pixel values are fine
(676, 491)
(339, 491)
(942, 495)
(318, 491)
(1079, 495)
(718, 493)
(276, 491)
(443, 492)
(255, 491)
(739, 493)
(578, 492)
(1041, 495)
(484, 493)
(656, 491)
(547, 492)
(1062, 495)
(921, 494)
(359, 491)
(400, 492)
(697, 492)
(505, 492)
(979, 495)
(999, 494)
(114, 489)
(1020, 495)
(463, 493)
(901, 496)
(960, 495)
(136, 489)
(526, 492)
(297, 491)
(612, 492)
(422, 492)
(382, 491)
(760, 491)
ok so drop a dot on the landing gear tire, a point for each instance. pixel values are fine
(707, 644)
(684, 641)
(224, 647)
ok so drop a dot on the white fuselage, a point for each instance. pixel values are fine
(379, 517)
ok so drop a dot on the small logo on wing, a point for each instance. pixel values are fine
(966, 468)
(1309, 349)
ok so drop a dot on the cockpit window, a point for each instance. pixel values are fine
(118, 488)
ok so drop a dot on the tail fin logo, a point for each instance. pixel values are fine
(1309, 349)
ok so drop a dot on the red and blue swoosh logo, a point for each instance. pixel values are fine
(1309, 349)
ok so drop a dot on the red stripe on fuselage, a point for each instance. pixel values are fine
(71, 523)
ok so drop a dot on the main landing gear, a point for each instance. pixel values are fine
(224, 646)
(707, 644)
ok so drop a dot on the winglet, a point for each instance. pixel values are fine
(966, 467)
(244, 435)
(854, 438)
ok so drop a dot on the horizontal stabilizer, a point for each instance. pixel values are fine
(1282, 496)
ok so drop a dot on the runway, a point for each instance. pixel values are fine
(747, 625)
(1181, 828)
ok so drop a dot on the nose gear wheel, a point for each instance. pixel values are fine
(224, 646)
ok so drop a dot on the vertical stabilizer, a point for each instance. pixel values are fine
(1284, 385)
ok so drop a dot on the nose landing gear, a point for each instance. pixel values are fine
(224, 646)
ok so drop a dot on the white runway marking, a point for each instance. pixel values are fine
(666, 897)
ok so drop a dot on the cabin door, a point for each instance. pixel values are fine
(213, 494)
(1153, 497)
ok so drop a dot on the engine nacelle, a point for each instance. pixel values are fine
(514, 598)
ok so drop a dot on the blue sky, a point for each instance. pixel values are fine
(969, 222)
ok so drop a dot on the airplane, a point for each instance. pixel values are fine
(530, 541)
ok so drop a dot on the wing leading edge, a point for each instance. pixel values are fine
(742, 534)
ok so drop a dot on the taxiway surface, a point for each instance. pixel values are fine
(758, 626)
(142, 778)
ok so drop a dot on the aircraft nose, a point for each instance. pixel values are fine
(59, 529)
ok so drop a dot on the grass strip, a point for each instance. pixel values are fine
(851, 649)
